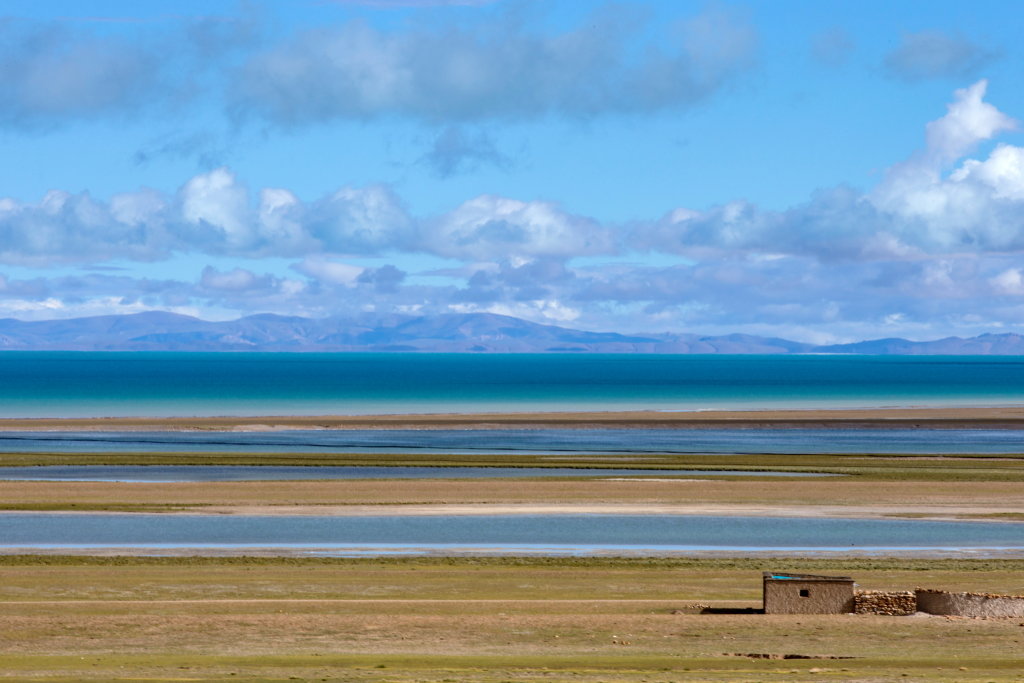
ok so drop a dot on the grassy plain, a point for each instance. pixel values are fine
(466, 619)
(488, 620)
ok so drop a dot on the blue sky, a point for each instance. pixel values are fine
(823, 171)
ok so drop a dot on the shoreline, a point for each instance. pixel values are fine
(968, 417)
(516, 553)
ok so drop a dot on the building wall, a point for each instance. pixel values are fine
(823, 597)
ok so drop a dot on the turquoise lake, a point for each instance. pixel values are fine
(67, 384)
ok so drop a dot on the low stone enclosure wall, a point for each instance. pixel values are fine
(902, 603)
(787, 593)
(969, 604)
(888, 603)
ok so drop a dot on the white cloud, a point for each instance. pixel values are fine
(970, 120)
(927, 204)
(1008, 282)
(1002, 173)
(496, 67)
(280, 223)
(542, 311)
(217, 201)
(144, 207)
(331, 272)
(361, 221)
(938, 242)
(490, 227)
(915, 186)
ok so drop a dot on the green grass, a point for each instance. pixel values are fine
(505, 669)
(98, 507)
(994, 516)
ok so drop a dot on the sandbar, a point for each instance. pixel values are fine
(967, 417)
(959, 513)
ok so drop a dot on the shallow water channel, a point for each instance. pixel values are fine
(555, 441)
(500, 534)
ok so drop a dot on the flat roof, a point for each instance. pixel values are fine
(787, 576)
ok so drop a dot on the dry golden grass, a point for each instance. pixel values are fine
(431, 620)
(894, 496)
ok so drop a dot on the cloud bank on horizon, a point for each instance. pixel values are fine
(589, 166)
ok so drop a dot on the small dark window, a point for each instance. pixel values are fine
(804, 593)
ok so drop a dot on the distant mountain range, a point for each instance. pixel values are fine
(450, 333)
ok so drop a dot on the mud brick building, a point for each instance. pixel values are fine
(807, 594)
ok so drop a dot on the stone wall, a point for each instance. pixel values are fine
(969, 604)
(888, 603)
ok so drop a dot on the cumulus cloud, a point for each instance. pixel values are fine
(215, 213)
(976, 206)
(495, 68)
(489, 226)
(934, 54)
(212, 213)
(935, 202)
(934, 248)
(63, 228)
(215, 202)
(361, 221)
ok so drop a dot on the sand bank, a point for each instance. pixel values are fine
(1006, 417)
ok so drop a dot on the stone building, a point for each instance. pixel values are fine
(807, 594)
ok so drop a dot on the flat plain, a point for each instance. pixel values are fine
(473, 619)
(428, 619)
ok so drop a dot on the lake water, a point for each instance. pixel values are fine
(508, 534)
(555, 441)
(173, 473)
(40, 384)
